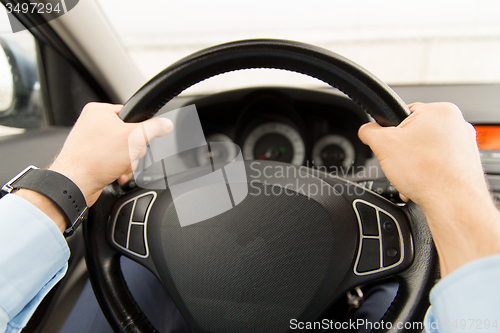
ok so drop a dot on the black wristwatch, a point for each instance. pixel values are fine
(56, 187)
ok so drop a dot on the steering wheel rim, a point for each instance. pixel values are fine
(374, 96)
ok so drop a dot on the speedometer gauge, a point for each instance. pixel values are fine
(223, 152)
(333, 151)
(275, 141)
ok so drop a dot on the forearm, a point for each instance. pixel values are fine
(464, 229)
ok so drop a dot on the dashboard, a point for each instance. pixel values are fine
(301, 127)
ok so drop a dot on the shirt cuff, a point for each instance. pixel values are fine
(17, 323)
(34, 255)
(467, 299)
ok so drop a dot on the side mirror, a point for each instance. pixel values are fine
(19, 88)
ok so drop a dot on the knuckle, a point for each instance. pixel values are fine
(415, 106)
(471, 129)
(89, 107)
(451, 108)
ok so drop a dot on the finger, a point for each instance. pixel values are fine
(155, 127)
(123, 179)
(404, 198)
(415, 106)
(132, 167)
(116, 108)
(368, 132)
(128, 174)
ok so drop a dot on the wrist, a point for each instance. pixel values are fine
(76, 175)
(457, 195)
(464, 229)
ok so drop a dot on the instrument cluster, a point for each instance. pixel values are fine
(295, 126)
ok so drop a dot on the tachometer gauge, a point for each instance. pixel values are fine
(333, 151)
(275, 141)
(220, 153)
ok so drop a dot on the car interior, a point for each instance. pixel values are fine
(53, 69)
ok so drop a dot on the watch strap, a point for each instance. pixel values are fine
(58, 188)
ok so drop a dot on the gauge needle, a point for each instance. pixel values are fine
(265, 156)
(270, 153)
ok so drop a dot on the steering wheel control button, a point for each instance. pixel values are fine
(368, 218)
(369, 260)
(122, 224)
(130, 224)
(141, 206)
(391, 243)
(389, 226)
(392, 252)
(136, 239)
(379, 227)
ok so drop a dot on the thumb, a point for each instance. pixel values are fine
(145, 132)
(155, 127)
(369, 132)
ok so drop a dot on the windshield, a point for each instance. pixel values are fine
(401, 42)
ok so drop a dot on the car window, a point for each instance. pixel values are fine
(401, 42)
(21, 106)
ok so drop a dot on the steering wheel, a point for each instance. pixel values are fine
(271, 258)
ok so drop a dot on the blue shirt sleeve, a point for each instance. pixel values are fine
(33, 258)
(467, 300)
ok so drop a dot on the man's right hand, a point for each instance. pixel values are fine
(432, 158)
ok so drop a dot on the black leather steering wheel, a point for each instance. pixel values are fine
(269, 258)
